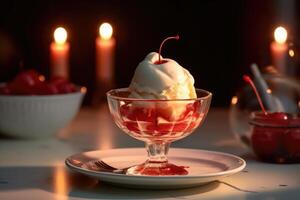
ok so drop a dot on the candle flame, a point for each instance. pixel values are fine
(105, 31)
(280, 35)
(60, 35)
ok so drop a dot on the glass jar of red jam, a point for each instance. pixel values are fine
(275, 137)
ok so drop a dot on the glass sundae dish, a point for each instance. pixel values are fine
(160, 106)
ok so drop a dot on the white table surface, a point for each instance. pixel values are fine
(34, 169)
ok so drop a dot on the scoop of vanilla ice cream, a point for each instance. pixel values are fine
(161, 81)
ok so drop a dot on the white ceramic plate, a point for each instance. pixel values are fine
(204, 167)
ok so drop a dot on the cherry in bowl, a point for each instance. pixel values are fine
(31, 82)
(34, 108)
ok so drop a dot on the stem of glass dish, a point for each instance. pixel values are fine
(157, 152)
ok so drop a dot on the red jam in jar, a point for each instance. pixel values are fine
(275, 137)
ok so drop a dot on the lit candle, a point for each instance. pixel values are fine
(279, 49)
(105, 49)
(59, 54)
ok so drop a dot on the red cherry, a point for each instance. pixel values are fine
(33, 73)
(20, 89)
(63, 85)
(52, 89)
(159, 62)
(46, 89)
(29, 77)
(26, 82)
(30, 82)
(66, 88)
(72, 87)
(159, 51)
(291, 142)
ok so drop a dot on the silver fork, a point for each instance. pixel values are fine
(103, 166)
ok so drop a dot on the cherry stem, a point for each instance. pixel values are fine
(248, 80)
(161, 45)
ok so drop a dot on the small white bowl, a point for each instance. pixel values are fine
(38, 116)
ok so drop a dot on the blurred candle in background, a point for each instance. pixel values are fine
(59, 54)
(105, 50)
(279, 49)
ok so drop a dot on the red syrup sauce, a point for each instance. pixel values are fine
(166, 170)
(145, 120)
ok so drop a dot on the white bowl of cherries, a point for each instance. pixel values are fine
(31, 107)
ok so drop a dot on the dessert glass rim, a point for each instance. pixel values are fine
(110, 95)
